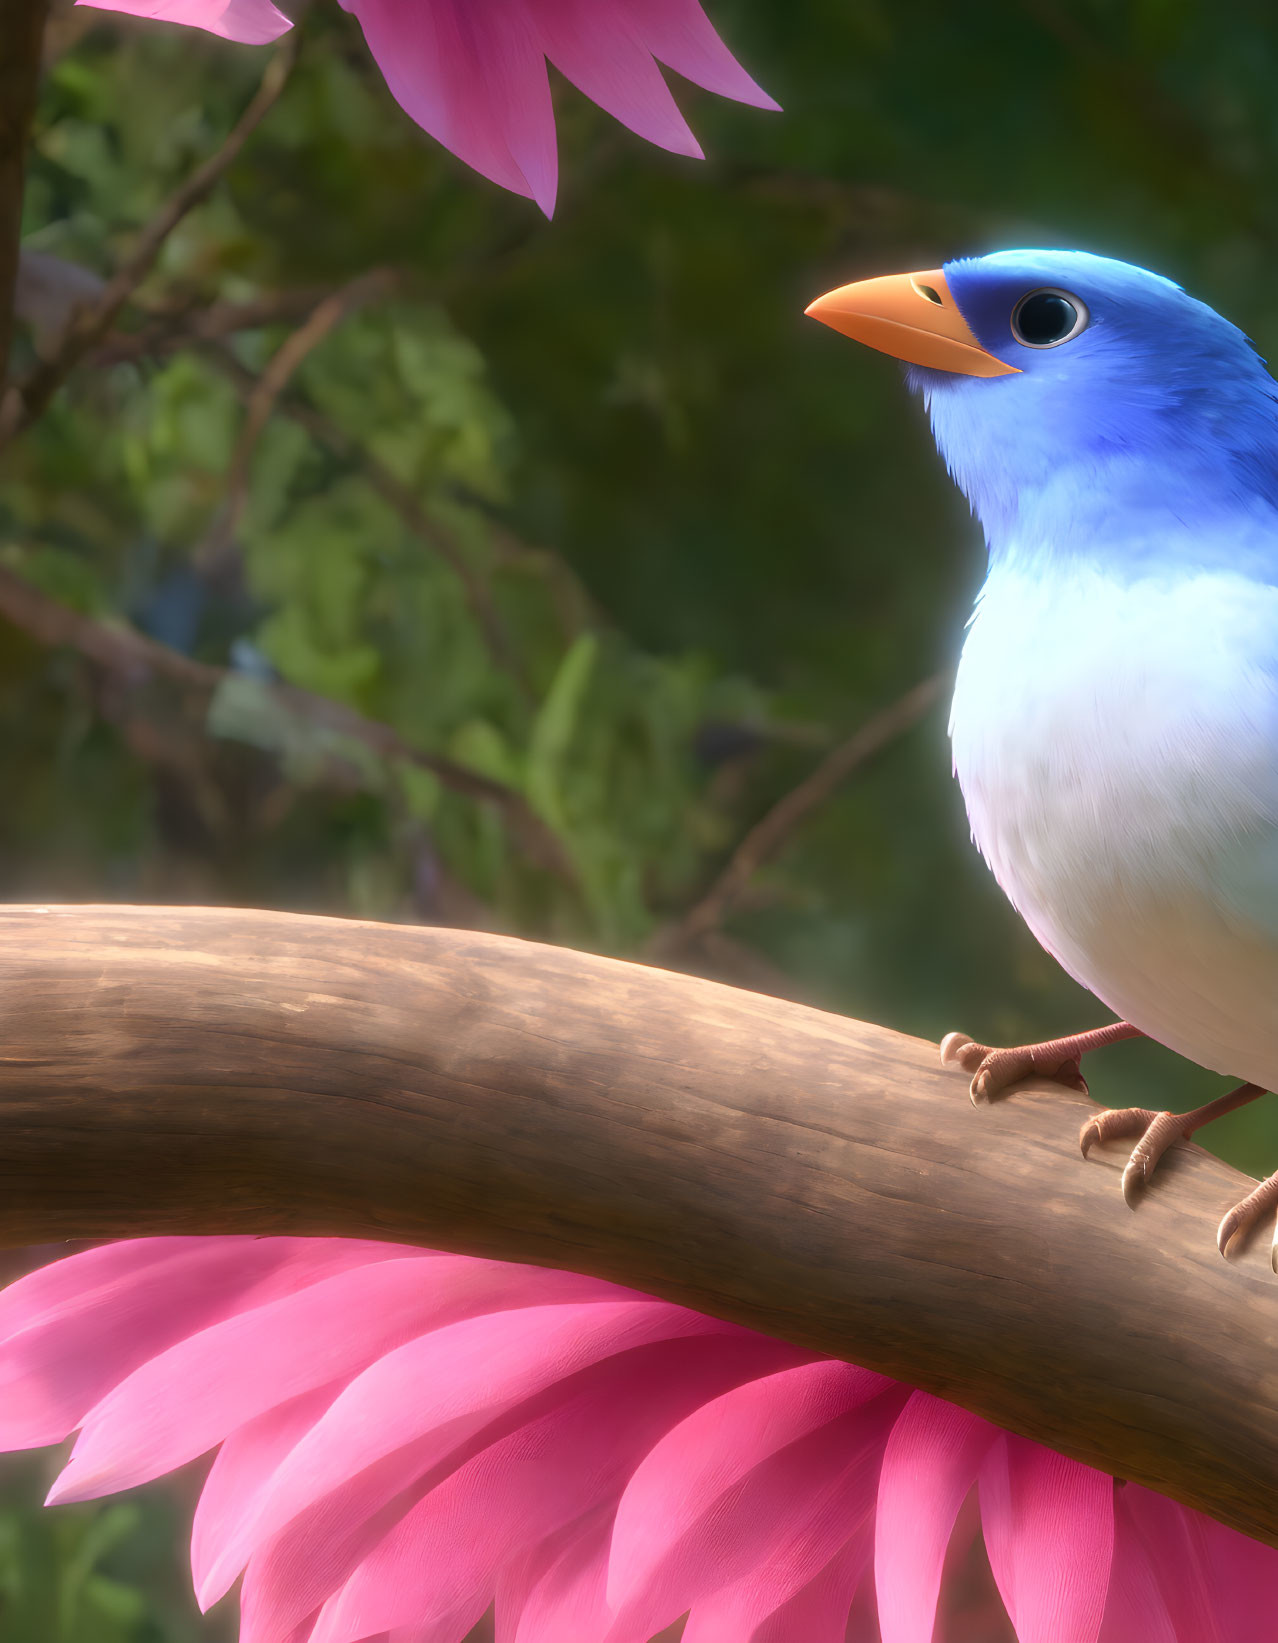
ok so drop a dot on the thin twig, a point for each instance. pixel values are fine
(768, 835)
(21, 38)
(397, 495)
(186, 327)
(166, 333)
(133, 657)
(574, 606)
(28, 400)
(211, 554)
(67, 26)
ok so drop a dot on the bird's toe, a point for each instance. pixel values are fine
(1239, 1221)
(955, 1051)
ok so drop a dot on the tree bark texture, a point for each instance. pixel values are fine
(205, 1070)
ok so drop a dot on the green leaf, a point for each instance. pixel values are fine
(553, 731)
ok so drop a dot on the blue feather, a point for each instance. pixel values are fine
(1151, 435)
(1115, 722)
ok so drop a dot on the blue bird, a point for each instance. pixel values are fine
(1115, 716)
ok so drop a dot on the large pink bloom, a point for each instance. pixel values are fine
(473, 72)
(405, 1438)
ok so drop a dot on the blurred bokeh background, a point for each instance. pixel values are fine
(550, 557)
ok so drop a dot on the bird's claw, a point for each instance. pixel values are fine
(1243, 1216)
(995, 1070)
(1157, 1131)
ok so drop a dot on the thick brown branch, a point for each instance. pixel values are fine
(21, 39)
(192, 1070)
(772, 831)
(134, 658)
(25, 402)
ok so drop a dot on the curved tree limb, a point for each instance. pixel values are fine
(196, 1070)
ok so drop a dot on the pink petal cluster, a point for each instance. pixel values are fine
(404, 1439)
(252, 22)
(473, 72)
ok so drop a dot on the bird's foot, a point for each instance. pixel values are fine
(1243, 1216)
(1058, 1059)
(1159, 1130)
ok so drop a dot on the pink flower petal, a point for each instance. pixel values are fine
(558, 1593)
(599, 49)
(301, 1634)
(930, 1463)
(390, 1460)
(773, 1608)
(472, 74)
(1245, 1576)
(41, 1296)
(178, 1405)
(291, 1575)
(426, 1399)
(443, 1554)
(322, 1548)
(72, 1330)
(450, 1628)
(546, 1474)
(1049, 1531)
(244, 1463)
(679, 34)
(758, 1548)
(819, 1612)
(1134, 1609)
(251, 22)
(778, 1471)
(1179, 1548)
(293, 1572)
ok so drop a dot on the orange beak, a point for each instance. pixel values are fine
(913, 317)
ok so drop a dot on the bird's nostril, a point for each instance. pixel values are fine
(928, 291)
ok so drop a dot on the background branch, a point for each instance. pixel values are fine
(24, 403)
(328, 313)
(134, 657)
(192, 1070)
(776, 827)
(166, 332)
(21, 39)
(400, 497)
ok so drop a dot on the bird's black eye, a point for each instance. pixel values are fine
(1045, 319)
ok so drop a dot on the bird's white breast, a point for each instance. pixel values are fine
(1114, 740)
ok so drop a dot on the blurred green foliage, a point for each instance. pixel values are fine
(109, 1573)
(672, 542)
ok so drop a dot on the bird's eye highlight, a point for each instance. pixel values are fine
(1045, 319)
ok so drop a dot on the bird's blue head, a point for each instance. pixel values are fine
(1083, 405)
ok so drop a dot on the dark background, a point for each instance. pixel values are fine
(712, 536)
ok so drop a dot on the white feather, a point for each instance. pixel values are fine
(1117, 745)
